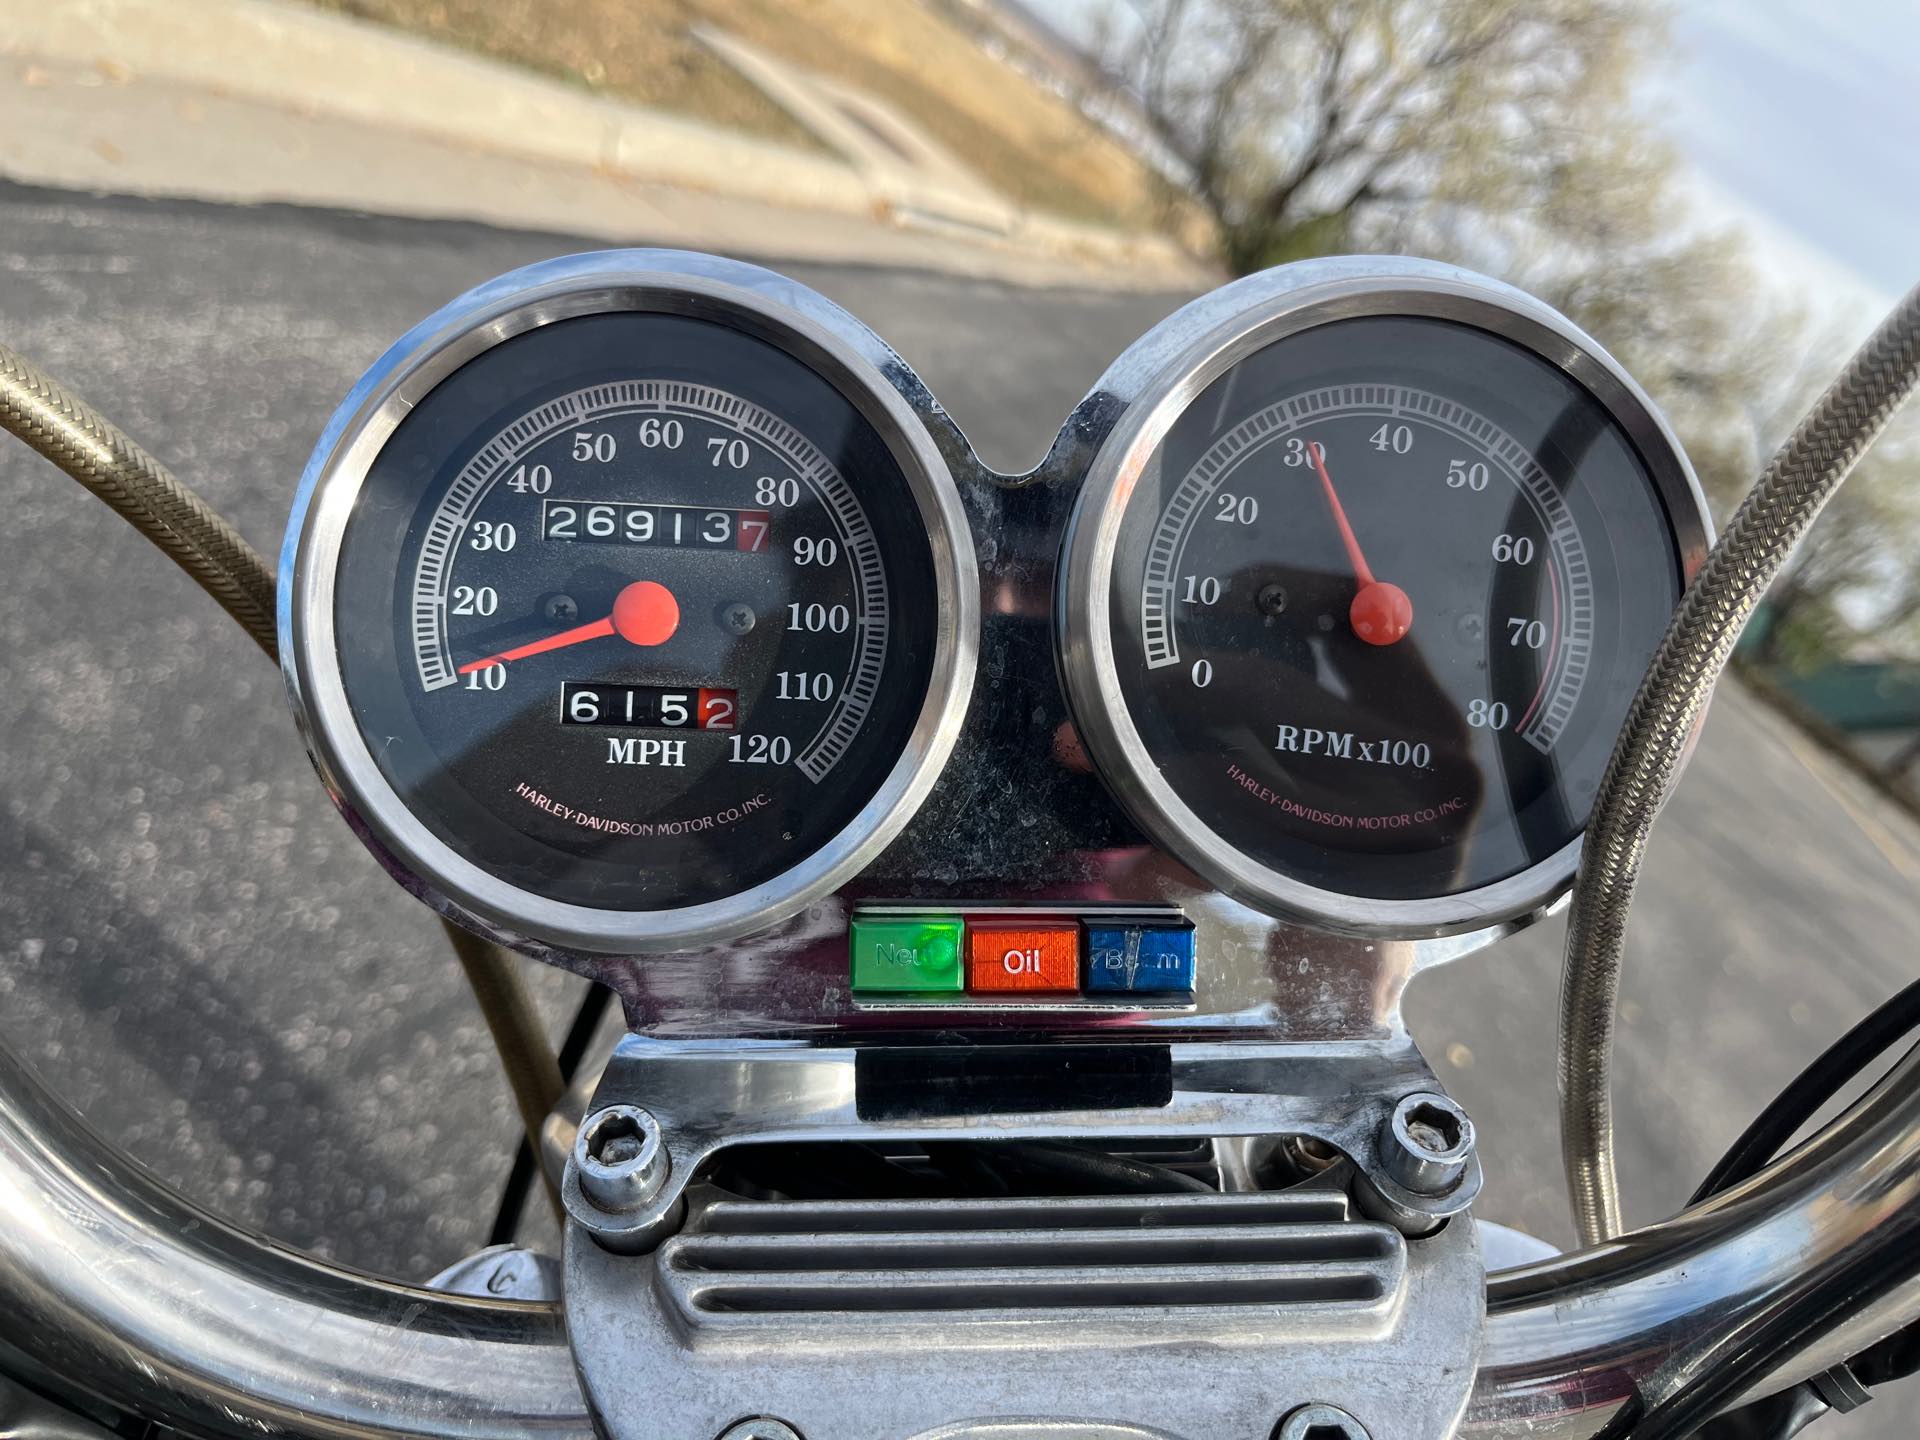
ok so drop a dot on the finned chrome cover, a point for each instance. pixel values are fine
(746, 297)
(1163, 374)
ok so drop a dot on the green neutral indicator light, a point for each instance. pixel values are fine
(907, 955)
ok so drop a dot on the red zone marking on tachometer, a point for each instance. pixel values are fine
(1553, 649)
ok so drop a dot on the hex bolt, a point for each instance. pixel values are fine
(762, 1428)
(1320, 1421)
(1427, 1143)
(621, 1158)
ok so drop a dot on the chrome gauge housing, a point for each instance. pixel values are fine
(630, 608)
(522, 584)
(1358, 585)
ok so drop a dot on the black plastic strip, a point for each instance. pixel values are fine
(922, 1081)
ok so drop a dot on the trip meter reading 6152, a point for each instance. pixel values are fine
(646, 607)
(1351, 608)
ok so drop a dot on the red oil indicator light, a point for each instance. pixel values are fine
(1036, 957)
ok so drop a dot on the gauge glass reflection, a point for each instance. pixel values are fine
(636, 611)
(1380, 595)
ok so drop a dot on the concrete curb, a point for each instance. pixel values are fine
(319, 64)
(322, 63)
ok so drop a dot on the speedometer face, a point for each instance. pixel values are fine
(641, 619)
(485, 613)
(1370, 617)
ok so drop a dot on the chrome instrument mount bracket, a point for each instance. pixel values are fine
(1190, 1315)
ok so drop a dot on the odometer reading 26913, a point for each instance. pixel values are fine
(694, 492)
(1370, 609)
(648, 620)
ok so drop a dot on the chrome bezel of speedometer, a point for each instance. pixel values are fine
(1165, 374)
(737, 297)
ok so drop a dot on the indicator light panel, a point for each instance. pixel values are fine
(986, 956)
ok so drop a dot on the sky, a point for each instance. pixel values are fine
(1800, 120)
(1805, 115)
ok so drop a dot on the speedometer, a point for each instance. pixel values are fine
(632, 608)
(1356, 594)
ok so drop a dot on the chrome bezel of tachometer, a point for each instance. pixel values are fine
(1156, 381)
(754, 301)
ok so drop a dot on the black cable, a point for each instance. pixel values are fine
(1776, 1417)
(1861, 1282)
(820, 1170)
(1042, 1167)
(573, 1049)
(1812, 1088)
(1894, 1358)
(586, 1020)
(1785, 1414)
(967, 1167)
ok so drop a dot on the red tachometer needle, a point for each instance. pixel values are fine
(1360, 571)
(1381, 612)
(645, 613)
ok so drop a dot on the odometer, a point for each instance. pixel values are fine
(634, 616)
(1352, 608)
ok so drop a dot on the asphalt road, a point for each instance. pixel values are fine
(196, 953)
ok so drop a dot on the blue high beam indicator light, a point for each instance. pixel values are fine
(1136, 958)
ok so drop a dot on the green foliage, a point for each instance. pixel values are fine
(1318, 235)
(1854, 587)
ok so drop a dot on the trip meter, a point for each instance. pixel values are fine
(1357, 592)
(631, 608)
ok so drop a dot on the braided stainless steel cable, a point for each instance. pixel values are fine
(1777, 512)
(94, 451)
(102, 457)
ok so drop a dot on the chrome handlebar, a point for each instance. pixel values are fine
(1572, 1340)
(126, 1292)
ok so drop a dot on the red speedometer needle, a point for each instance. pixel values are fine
(1381, 612)
(645, 613)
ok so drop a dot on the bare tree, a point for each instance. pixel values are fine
(1305, 123)
(1502, 134)
(1508, 135)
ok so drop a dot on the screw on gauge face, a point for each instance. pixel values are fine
(621, 1157)
(1427, 1143)
(1272, 600)
(1320, 1422)
(738, 617)
(561, 608)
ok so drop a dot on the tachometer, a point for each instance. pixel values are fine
(630, 610)
(1356, 594)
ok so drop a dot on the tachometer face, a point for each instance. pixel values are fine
(1370, 607)
(645, 621)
